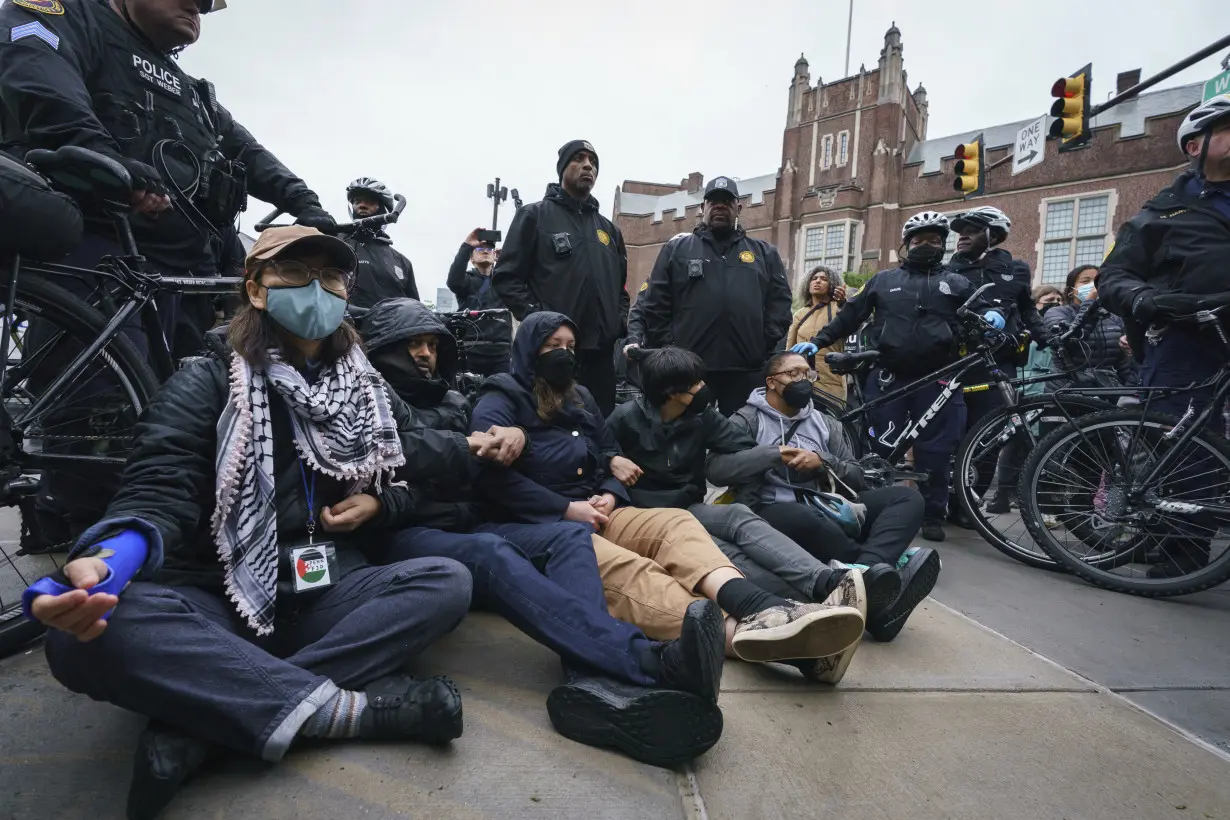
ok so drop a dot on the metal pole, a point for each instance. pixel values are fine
(495, 209)
(1157, 78)
(849, 31)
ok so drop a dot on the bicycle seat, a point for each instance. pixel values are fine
(845, 363)
(84, 173)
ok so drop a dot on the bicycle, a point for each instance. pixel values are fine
(470, 328)
(1135, 488)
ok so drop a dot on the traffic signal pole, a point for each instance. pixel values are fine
(1162, 75)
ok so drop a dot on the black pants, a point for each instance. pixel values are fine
(596, 370)
(894, 517)
(732, 387)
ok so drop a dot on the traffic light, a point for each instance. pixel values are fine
(970, 168)
(1071, 109)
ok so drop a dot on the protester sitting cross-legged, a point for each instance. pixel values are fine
(570, 471)
(252, 618)
(667, 435)
(655, 701)
(819, 500)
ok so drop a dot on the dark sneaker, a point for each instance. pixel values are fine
(661, 727)
(883, 584)
(166, 758)
(918, 579)
(400, 707)
(999, 504)
(693, 662)
(933, 529)
(797, 631)
(852, 593)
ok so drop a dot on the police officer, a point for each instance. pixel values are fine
(1164, 260)
(980, 260)
(562, 255)
(915, 323)
(383, 273)
(719, 293)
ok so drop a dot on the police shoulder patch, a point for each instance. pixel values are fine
(43, 6)
(747, 257)
(604, 237)
(945, 289)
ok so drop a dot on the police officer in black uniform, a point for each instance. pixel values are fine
(562, 255)
(719, 293)
(383, 273)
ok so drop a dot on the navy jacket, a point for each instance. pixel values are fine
(566, 459)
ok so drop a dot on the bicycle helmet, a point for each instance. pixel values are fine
(374, 187)
(985, 217)
(925, 221)
(1202, 118)
(838, 510)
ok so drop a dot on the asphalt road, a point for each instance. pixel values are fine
(1171, 657)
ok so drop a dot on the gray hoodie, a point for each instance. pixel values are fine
(816, 431)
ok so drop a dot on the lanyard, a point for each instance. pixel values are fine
(310, 492)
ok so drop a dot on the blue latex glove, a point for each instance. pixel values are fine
(124, 555)
(995, 319)
(805, 349)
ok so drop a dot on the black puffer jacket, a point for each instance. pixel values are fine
(170, 482)
(1093, 351)
(562, 255)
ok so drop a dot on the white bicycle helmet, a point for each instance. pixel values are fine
(374, 187)
(1202, 118)
(985, 217)
(925, 221)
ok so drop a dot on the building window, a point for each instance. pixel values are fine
(826, 152)
(1075, 234)
(833, 245)
(843, 147)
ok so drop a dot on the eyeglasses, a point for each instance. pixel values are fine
(296, 275)
(796, 375)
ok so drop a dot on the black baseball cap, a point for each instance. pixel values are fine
(722, 185)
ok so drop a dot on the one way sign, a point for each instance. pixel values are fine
(1030, 146)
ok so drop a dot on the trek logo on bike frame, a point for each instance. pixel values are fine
(912, 430)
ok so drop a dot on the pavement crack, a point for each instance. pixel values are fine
(689, 793)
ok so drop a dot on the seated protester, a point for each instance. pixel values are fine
(661, 706)
(874, 533)
(667, 434)
(253, 619)
(1094, 356)
(570, 471)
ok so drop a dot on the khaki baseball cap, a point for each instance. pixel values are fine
(274, 242)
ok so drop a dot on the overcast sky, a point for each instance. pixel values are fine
(436, 99)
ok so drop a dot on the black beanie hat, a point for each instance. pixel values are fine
(571, 148)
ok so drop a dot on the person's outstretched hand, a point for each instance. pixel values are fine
(78, 612)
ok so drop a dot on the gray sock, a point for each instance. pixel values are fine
(338, 717)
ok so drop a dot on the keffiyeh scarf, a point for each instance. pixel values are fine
(343, 427)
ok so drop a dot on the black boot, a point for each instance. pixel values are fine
(166, 757)
(933, 529)
(661, 727)
(999, 504)
(693, 663)
(400, 707)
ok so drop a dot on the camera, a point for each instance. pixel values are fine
(490, 238)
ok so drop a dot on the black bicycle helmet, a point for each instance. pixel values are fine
(372, 187)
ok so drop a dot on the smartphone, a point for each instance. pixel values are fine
(490, 237)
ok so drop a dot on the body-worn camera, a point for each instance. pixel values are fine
(562, 243)
(696, 268)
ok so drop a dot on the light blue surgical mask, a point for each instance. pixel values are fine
(308, 312)
(1084, 290)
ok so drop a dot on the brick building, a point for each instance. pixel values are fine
(857, 162)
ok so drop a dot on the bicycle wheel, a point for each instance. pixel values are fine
(1084, 474)
(987, 461)
(83, 432)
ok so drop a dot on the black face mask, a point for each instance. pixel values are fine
(701, 400)
(557, 368)
(407, 380)
(797, 394)
(925, 256)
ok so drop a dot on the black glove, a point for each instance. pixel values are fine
(1055, 343)
(144, 178)
(1170, 305)
(314, 216)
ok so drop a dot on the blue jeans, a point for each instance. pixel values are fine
(936, 443)
(543, 578)
(183, 655)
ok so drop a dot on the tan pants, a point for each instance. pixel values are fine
(651, 562)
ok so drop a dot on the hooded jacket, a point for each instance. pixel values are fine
(774, 482)
(915, 317)
(1178, 243)
(565, 459)
(1011, 293)
(678, 455)
(382, 272)
(725, 299)
(562, 255)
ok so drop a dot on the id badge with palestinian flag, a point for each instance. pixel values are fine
(313, 567)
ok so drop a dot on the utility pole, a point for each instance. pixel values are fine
(849, 31)
(498, 195)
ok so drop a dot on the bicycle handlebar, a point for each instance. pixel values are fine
(366, 223)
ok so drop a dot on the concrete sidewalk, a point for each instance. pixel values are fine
(951, 721)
